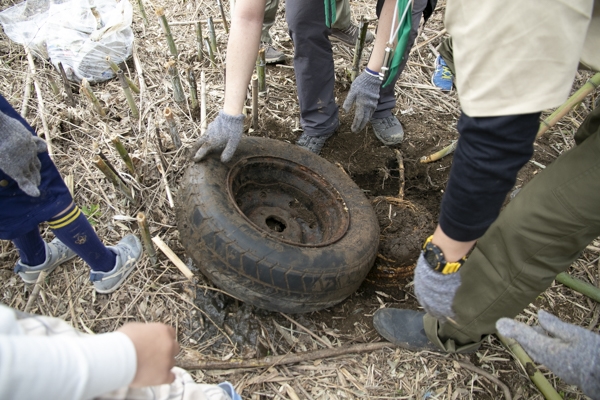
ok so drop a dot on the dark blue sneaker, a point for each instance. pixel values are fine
(442, 77)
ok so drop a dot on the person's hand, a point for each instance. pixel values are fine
(156, 348)
(435, 291)
(224, 133)
(571, 352)
(19, 154)
(364, 93)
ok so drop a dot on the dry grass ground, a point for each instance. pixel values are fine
(162, 293)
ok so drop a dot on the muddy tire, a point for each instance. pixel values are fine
(291, 246)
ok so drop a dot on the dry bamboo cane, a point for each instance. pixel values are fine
(172, 127)
(580, 286)
(199, 41)
(549, 122)
(193, 89)
(67, 85)
(124, 154)
(36, 290)
(53, 86)
(87, 91)
(135, 113)
(260, 70)
(225, 25)
(26, 95)
(534, 374)
(255, 103)
(40, 99)
(117, 183)
(211, 54)
(164, 179)
(160, 12)
(115, 68)
(143, 12)
(203, 122)
(358, 49)
(568, 105)
(212, 35)
(146, 238)
(178, 94)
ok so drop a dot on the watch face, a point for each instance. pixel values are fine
(432, 255)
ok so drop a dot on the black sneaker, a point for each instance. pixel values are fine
(349, 35)
(272, 55)
(403, 328)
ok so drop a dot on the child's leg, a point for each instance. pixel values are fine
(74, 230)
(32, 248)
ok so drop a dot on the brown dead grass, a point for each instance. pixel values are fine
(162, 293)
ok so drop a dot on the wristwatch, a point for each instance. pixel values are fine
(435, 257)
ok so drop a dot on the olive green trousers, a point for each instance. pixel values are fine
(541, 232)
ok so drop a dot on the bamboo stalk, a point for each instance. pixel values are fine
(212, 35)
(199, 41)
(40, 99)
(178, 94)
(143, 12)
(146, 238)
(580, 286)
(53, 86)
(173, 257)
(115, 68)
(130, 100)
(260, 70)
(225, 25)
(534, 374)
(87, 91)
(568, 105)
(124, 154)
(211, 54)
(193, 89)
(172, 127)
(67, 85)
(160, 168)
(160, 12)
(117, 183)
(255, 103)
(100, 154)
(440, 154)
(26, 96)
(358, 49)
(203, 122)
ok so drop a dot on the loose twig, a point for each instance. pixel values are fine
(489, 376)
(164, 179)
(400, 173)
(173, 257)
(36, 291)
(291, 358)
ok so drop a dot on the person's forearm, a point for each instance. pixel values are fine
(242, 50)
(383, 35)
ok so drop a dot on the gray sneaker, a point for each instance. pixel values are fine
(388, 130)
(313, 143)
(56, 253)
(272, 55)
(349, 35)
(128, 251)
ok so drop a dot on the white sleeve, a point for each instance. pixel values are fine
(62, 367)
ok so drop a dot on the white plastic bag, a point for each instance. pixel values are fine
(78, 33)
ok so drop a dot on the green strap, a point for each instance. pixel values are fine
(330, 12)
(402, 41)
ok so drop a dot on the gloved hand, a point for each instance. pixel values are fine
(364, 92)
(18, 154)
(571, 352)
(224, 132)
(434, 290)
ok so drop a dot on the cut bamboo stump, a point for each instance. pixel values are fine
(172, 127)
(146, 238)
(164, 24)
(112, 177)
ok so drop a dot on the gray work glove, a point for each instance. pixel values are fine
(434, 290)
(364, 93)
(571, 352)
(224, 133)
(19, 154)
